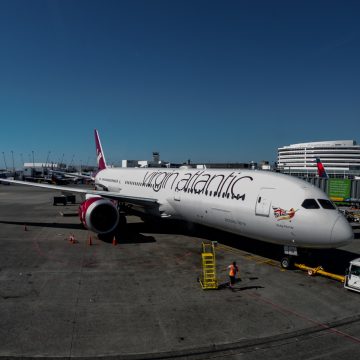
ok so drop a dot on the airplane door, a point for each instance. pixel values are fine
(263, 202)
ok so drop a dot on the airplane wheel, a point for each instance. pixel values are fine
(286, 262)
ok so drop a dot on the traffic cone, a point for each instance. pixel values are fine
(72, 239)
(90, 241)
(114, 242)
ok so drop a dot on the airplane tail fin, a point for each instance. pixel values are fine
(321, 170)
(100, 157)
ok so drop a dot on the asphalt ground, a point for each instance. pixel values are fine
(140, 299)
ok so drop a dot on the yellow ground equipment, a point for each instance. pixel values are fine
(208, 278)
(319, 270)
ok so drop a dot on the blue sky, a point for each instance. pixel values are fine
(202, 80)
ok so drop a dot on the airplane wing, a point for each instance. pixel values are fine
(146, 202)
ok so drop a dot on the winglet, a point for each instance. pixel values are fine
(100, 157)
(321, 170)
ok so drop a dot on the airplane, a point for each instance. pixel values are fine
(261, 205)
(5, 174)
(321, 169)
(61, 177)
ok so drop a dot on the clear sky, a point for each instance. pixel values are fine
(220, 81)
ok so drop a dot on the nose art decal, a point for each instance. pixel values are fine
(281, 214)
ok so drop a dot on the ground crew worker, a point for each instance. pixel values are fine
(233, 269)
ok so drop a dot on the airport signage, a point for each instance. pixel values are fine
(339, 189)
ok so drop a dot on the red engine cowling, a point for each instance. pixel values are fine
(99, 215)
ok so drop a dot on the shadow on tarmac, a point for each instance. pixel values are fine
(332, 260)
(43, 224)
(226, 286)
(127, 237)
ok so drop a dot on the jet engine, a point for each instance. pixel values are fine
(99, 215)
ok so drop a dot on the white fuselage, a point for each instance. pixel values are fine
(257, 204)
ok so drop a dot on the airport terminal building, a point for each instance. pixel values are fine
(341, 158)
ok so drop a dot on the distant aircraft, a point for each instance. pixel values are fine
(5, 174)
(321, 170)
(261, 205)
(69, 177)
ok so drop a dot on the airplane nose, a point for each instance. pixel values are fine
(342, 233)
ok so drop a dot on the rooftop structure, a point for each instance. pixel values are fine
(341, 158)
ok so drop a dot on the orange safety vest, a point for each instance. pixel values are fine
(233, 270)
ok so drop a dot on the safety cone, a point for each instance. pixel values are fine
(72, 239)
(90, 241)
(25, 227)
(114, 241)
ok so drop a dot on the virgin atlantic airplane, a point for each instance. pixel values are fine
(260, 205)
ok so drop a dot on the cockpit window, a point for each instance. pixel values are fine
(310, 204)
(326, 204)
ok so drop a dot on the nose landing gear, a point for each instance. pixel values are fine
(287, 262)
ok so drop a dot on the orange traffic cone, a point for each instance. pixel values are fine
(90, 241)
(114, 241)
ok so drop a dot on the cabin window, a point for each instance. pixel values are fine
(326, 204)
(310, 204)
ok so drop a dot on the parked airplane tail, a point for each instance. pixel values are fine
(321, 170)
(100, 157)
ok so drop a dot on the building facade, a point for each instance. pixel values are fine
(341, 158)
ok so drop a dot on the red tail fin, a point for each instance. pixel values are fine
(100, 157)
(321, 170)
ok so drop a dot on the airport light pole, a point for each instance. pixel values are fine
(47, 159)
(33, 170)
(71, 162)
(12, 155)
(4, 161)
(62, 158)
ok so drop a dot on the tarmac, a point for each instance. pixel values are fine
(141, 299)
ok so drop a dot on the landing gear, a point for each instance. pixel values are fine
(287, 262)
(122, 221)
